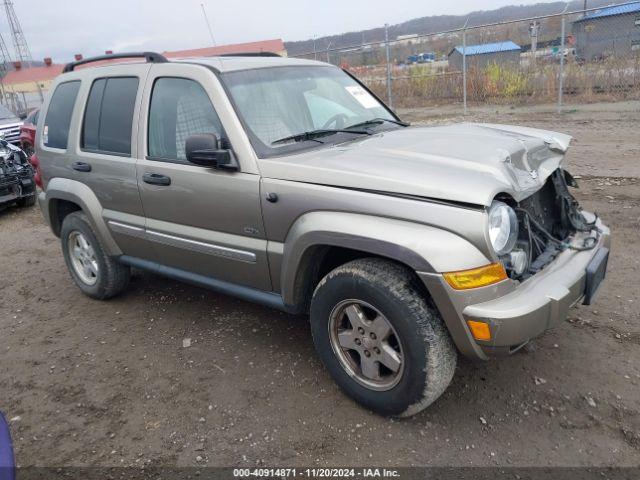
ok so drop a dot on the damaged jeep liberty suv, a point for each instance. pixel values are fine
(287, 182)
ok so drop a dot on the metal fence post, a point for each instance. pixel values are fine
(40, 92)
(464, 67)
(561, 69)
(386, 42)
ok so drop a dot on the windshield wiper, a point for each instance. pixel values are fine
(314, 134)
(378, 121)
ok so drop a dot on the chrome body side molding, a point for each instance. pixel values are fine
(185, 243)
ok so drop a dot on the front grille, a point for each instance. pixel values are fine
(8, 180)
(11, 134)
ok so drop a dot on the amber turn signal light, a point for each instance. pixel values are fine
(476, 277)
(479, 330)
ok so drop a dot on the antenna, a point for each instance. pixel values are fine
(19, 41)
(206, 19)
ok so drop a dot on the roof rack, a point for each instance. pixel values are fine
(150, 57)
(250, 54)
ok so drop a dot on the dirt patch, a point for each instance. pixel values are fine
(110, 383)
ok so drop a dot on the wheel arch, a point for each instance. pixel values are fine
(64, 196)
(318, 236)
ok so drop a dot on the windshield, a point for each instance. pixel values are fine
(281, 103)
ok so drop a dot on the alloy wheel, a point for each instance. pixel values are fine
(83, 258)
(366, 344)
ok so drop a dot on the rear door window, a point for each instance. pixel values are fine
(109, 115)
(58, 119)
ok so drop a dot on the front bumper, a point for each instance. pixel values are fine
(15, 188)
(515, 312)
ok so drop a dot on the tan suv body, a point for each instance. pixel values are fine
(288, 183)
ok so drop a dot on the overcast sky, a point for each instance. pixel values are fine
(60, 28)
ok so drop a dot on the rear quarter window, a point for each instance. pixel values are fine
(58, 119)
(109, 115)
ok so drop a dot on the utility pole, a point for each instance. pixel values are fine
(388, 54)
(206, 19)
(464, 66)
(23, 53)
(561, 69)
(534, 29)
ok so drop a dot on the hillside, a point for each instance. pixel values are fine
(438, 23)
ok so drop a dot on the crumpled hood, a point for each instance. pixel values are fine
(465, 162)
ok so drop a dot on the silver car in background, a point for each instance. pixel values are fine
(9, 125)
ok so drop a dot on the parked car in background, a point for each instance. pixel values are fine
(17, 183)
(9, 125)
(28, 132)
(427, 57)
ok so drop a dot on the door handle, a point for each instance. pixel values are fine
(81, 167)
(156, 179)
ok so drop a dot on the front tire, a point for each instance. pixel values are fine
(380, 339)
(98, 275)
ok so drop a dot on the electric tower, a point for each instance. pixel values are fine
(5, 59)
(23, 53)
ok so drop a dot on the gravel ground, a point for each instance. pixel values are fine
(89, 383)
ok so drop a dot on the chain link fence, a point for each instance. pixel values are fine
(572, 56)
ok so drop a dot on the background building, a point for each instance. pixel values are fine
(609, 31)
(479, 56)
(24, 87)
(31, 79)
(271, 46)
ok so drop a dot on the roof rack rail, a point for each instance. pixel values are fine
(250, 54)
(150, 57)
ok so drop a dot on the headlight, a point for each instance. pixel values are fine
(503, 227)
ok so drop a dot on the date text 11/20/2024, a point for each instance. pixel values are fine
(315, 473)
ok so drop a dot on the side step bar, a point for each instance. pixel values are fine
(268, 299)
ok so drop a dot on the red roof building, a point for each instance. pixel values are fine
(37, 79)
(272, 46)
(31, 79)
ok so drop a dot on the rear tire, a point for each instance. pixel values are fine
(98, 275)
(401, 375)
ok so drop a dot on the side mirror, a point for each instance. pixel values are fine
(203, 150)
